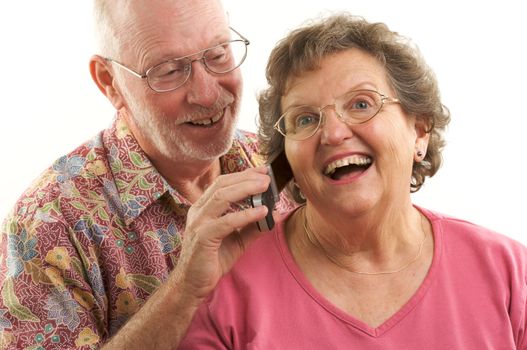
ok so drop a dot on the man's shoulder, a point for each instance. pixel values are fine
(246, 139)
(66, 178)
(240, 133)
(243, 153)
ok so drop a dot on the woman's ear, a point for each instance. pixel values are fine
(102, 75)
(422, 134)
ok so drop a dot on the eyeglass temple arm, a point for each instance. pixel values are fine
(389, 99)
(125, 68)
(247, 42)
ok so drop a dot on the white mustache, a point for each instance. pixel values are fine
(201, 112)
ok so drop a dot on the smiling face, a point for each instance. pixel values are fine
(352, 169)
(197, 120)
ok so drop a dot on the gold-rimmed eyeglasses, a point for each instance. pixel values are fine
(354, 107)
(172, 74)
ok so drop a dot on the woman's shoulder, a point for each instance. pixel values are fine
(258, 270)
(474, 235)
(259, 254)
(260, 259)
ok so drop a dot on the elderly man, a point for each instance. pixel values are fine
(120, 240)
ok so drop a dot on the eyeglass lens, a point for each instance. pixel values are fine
(219, 59)
(354, 107)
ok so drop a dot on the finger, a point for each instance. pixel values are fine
(249, 234)
(241, 191)
(254, 174)
(261, 169)
(216, 230)
(277, 216)
(219, 201)
(234, 178)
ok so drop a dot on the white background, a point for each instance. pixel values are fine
(49, 104)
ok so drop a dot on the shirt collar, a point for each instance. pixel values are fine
(137, 181)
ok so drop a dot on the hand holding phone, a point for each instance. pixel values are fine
(268, 198)
(280, 173)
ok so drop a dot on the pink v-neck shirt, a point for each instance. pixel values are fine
(473, 297)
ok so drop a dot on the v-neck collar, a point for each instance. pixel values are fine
(399, 315)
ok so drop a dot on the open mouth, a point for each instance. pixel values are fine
(349, 166)
(208, 122)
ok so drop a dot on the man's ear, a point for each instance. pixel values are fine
(102, 75)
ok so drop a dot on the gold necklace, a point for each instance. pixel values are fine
(313, 240)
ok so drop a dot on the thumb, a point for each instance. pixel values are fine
(250, 233)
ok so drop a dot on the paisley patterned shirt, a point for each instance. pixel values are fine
(91, 240)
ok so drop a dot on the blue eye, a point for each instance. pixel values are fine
(298, 121)
(306, 120)
(360, 101)
(361, 105)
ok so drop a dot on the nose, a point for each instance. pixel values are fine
(334, 131)
(203, 87)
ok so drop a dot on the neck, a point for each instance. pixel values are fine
(372, 228)
(189, 178)
(369, 244)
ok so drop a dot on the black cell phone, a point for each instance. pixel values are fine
(280, 173)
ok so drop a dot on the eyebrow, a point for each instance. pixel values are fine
(362, 85)
(217, 40)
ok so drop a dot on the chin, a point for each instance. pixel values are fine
(198, 149)
(354, 204)
(175, 142)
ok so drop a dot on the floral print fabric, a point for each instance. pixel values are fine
(91, 240)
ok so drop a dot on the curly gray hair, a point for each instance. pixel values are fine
(413, 81)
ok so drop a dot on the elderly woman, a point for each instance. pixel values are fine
(358, 266)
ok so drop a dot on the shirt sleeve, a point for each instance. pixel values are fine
(51, 290)
(521, 336)
(203, 333)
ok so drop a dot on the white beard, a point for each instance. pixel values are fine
(165, 134)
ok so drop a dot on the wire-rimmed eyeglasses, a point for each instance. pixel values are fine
(172, 74)
(354, 107)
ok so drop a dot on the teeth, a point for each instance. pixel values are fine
(202, 122)
(207, 121)
(355, 160)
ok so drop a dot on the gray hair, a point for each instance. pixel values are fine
(413, 81)
(106, 37)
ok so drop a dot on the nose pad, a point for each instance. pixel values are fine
(334, 129)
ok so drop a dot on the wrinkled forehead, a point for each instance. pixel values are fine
(183, 22)
(334, 75)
